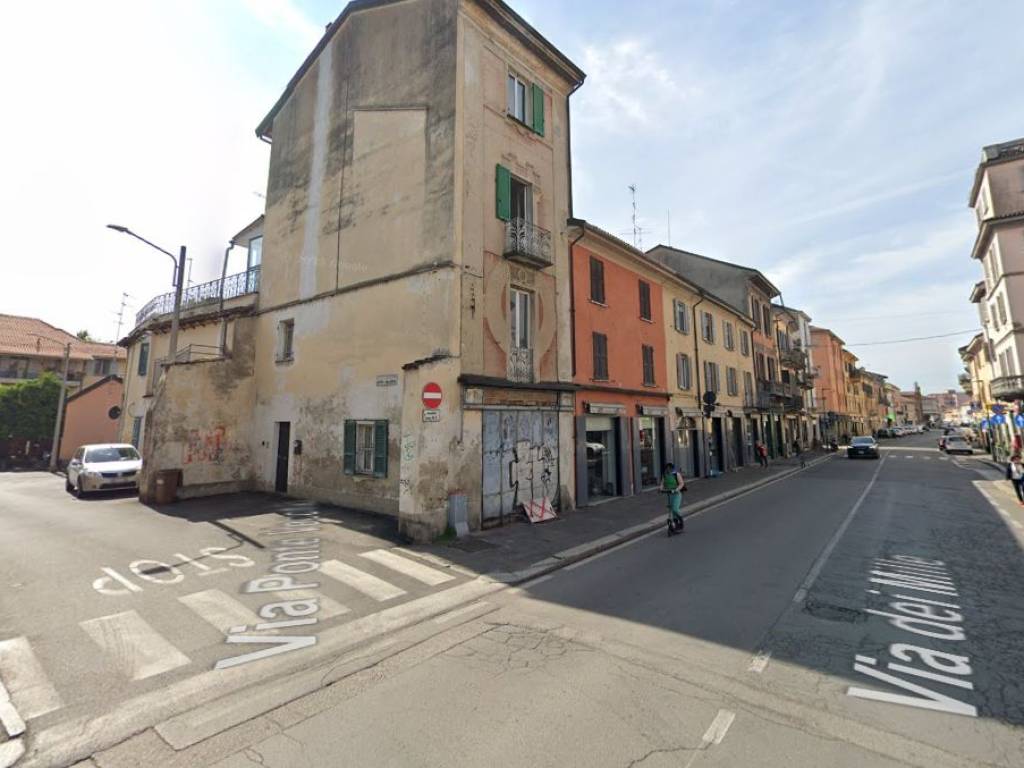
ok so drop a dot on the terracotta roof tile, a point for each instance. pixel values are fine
(20, 336)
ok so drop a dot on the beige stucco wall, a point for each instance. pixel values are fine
(1005, 185)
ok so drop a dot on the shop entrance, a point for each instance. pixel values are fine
(604, 476)
(650, 431)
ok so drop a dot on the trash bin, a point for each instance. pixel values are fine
(166, 486)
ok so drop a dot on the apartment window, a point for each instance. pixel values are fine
(285, 339)
(993, 256)
(645, 300)
(731, 382)
(255, 257)
(748, 383)
(600, 357)
(521, 314)
(648, 358)
(596, 280)
(513, 197)
(711, 380)
(760, 366)
(101, 367)
(707, 327)
(525, 102)
(744, 343)
(366, 447)
(683, 372)
(682, 316)
(143, 358)
(136, 430)
(755, 312)
(766, 317)
(989, 280)
(782, 340)
(772, 373)
(1001, 305)
(729, 340)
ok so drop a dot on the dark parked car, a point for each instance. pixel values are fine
(862, 447)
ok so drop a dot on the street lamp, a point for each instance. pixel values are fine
(54, 444)
(178, 282)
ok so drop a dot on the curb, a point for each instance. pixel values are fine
(588, 549)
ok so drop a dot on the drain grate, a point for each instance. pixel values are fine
(831, 612)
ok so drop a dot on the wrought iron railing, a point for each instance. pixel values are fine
(232, 286)
(520, 364)
(529, 243)
(795, 359)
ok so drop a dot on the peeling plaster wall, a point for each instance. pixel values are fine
(198, 422)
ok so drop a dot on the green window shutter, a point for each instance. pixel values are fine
(380, 449)
(350, 447)
(143, 358)
(503, 193)
(538, 109)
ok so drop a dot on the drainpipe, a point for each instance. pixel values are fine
(700, 392)
(572, 292)
(220, 309)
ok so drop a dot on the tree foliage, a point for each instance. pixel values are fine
(84, 335)
(28, 409)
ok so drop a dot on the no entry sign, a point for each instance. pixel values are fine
(431, 395)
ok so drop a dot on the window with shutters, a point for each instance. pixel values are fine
(729, 338)
(285, 338)
(682, 316)
(711, 380)
(707, 327)
(755, 313)
(1001, 305)
(648, 360)
(645, 300)
(748, 383)
(366, 447)
(596, 280)
(744, 343)
(525, 102)
(731, 381)
(683, 373)
(136, 430)
(143, 358)
(772, 374)
(521, 316)
(767, 320)
(600, 357)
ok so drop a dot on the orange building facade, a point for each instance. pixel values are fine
(92, 416)
(830, 386)
(623, 435)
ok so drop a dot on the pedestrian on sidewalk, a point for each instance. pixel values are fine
(799, 453)
(673, 484)
(762, 453)
(1015, 474)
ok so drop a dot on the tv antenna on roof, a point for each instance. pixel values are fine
(638, 238)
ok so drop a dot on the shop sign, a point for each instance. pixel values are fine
(605, 409)
(653, 410)
(388, 380)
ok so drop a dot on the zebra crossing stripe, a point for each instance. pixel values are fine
(422, 573)
(328, 608)
(219, 609)
(361, 581)
(29, 688)
(136, 648)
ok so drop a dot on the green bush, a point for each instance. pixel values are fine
(28, 408)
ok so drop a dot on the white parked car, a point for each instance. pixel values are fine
(104, 467)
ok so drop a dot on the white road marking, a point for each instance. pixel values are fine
(403, 565)
(328, 608)
(759, 662)
(1016, 524)
(9, 717)
(219, 609)
(820, 562)
(135, 647)
(719, 727)
(361, 581)
(29, 688)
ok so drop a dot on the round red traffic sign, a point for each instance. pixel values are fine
(431, 395)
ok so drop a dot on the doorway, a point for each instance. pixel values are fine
(284, 438)
(716, 447)
(737, 442)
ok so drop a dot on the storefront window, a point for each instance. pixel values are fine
(602, 458)
(650, 450)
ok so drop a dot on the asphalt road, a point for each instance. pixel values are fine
(737, 644)
(758, 638)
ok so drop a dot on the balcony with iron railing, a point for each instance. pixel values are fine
(520, 364)
(527, 243)
(1008, 387)
(232, 287)
(794, 359)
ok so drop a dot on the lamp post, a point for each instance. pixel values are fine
(178, 282)
(55, 443)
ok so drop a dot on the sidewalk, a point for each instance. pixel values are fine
(521, 551)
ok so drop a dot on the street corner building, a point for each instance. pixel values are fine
(400, 344)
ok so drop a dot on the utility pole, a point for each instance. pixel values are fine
(55, 449)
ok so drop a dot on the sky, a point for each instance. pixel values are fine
(831, 145)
